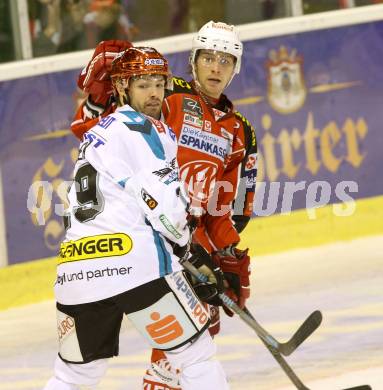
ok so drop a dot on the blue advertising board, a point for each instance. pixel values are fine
(314, 98)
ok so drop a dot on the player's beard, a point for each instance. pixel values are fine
(152, 108)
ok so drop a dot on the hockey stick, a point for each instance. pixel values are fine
(304, 331)
(273, 346)
(293, 376)
(308, 327)
(285, 367)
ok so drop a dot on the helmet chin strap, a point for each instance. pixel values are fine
(231, 79)
(194, 73)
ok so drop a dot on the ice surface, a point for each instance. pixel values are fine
(343, 280)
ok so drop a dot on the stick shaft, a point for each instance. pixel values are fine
(261, 332)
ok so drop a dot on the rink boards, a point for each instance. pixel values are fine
(33, 281)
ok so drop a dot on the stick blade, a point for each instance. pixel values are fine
(309, 326)
(361, 387)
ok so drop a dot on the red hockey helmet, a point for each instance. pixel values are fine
(96, 5)
(137, 61)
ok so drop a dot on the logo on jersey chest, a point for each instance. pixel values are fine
(207, 126)
(191, 106)
(199, 177)
(199, 140)
(158, 125)
(218, 114)
(168, 174)
(94, 247)
(193, 120)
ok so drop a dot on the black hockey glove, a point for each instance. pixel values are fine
(183, 252)
(207, 291)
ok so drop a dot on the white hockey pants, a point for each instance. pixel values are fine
(198, 368)
(69, 376)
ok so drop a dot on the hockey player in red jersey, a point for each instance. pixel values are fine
(217, 158)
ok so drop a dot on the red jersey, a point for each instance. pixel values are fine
(90, 113)
(214, 145)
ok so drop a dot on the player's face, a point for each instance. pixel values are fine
(146, 94)
(214, 70)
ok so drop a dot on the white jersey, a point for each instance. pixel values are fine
(124, 201)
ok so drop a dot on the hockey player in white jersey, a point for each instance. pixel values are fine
(126, 219)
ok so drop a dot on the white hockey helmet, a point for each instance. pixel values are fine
(217, 36)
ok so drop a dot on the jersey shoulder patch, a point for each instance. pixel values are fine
(249, 130)
(181, 86)
(137, 122)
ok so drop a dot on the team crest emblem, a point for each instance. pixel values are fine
(286, 90)
(199, 177)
